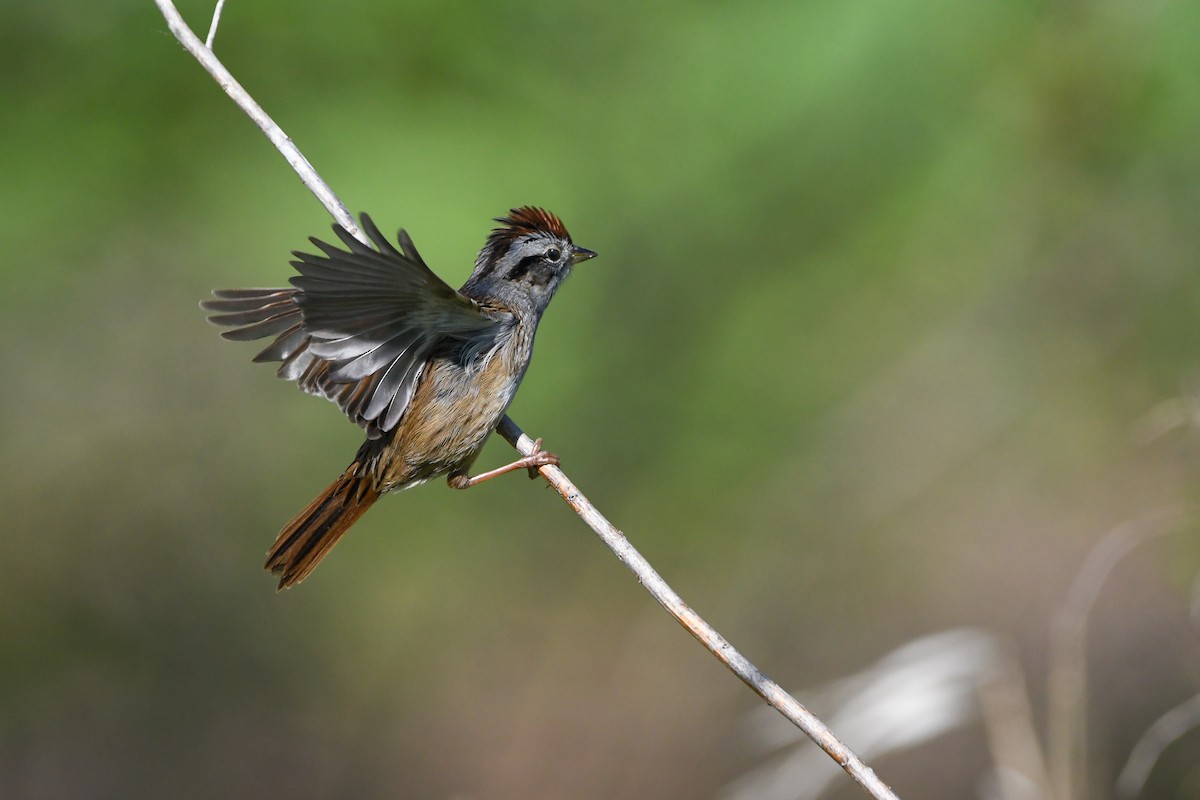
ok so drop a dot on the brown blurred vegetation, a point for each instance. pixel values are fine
(884, 293)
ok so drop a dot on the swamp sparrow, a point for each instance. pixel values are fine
(426, 371)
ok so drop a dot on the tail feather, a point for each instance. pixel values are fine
(305, 540)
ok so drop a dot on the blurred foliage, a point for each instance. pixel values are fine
(885, 291)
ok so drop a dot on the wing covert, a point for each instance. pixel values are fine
(358, 324)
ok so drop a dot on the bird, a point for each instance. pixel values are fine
(426, 371)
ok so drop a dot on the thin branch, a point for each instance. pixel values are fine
(692, 622)
(212, 28)
(770, 691)
(244, 101)
(914, 694)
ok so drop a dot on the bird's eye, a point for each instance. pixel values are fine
(552, 254)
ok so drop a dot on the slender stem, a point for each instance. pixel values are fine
(694, 624)
(216, 21)
(191, 42)
(770, 691)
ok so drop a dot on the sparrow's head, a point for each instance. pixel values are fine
(525, 260)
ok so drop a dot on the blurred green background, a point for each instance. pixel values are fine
(895, 317)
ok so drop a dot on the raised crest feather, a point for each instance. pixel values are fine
(522, 221)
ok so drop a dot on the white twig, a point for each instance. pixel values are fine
(912, 695)
(212, 28)
(770, 691)
(692, 622)
(290, 152)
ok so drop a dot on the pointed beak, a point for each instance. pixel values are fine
(581, 254)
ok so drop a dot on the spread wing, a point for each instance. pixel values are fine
(358, 325)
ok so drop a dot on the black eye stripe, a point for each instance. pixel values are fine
(522, 267)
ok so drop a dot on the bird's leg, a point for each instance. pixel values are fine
(538, 458)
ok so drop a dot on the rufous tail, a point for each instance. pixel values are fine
(305, 540)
